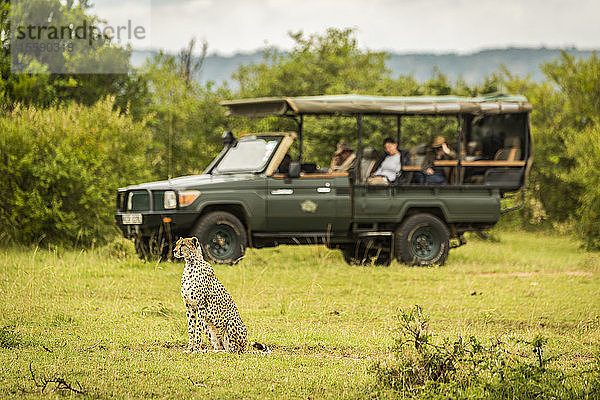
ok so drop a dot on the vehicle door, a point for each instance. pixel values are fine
(311, 203)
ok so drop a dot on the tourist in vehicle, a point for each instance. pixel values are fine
(343, 159)
(474, 174)
(474, 152)
(391, 166)
(431, 174)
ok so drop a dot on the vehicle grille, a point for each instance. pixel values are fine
(159, 200)
(138, 200)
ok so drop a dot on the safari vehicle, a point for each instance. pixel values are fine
(244, 200)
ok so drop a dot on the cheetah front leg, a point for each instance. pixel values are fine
(200, 329)
(192, 319)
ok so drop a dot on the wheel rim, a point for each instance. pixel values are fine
(425, 244)
(221, 242)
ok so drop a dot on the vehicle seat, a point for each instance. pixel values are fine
(370, 159)
(406, 159)
(417, 154)
(309, 168)
(511, 150)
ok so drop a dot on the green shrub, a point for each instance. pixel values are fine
(60, 168)
(9, 338)
(119, 248)
(421, 367)
(584, 147)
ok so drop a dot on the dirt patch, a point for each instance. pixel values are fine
(320, 351)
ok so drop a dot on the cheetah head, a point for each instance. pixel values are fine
(187, 246)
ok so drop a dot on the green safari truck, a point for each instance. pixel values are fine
(254, 195)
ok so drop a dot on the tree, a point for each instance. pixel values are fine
(576, 150)
(318, 64)
(38, 86)
(185, 118)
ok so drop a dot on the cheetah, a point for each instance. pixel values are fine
(209, 307)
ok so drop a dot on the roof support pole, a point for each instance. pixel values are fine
(399, 128)
(457, 172)
(359, 121)
(300, 141)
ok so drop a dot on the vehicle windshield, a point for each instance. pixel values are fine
(250, 154)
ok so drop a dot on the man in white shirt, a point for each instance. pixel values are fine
(391, 166)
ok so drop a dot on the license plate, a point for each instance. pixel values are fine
(132, 219)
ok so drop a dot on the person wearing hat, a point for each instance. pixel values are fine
(431, 174)
(343, 159)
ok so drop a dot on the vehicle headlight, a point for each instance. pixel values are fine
(187, 197)
(170, 200)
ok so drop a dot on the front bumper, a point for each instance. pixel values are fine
(152, 221)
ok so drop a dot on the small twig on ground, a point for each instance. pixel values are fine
(196, 383)
(47, 349)
(61, 384)
(92, 346)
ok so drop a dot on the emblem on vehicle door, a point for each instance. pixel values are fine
(308, 206)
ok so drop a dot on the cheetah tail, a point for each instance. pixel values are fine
(260, 347)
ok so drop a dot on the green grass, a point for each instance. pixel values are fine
(117, 325)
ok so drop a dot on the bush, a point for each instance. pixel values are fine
(60, 168)
(467, 368)
(584, 147)
(119, 248)
(9, 338)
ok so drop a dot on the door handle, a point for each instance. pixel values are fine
(323, 190)
(282, 191)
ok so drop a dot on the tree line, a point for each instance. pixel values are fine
(68, 141)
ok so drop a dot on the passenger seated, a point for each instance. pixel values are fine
(391, 166)
(343, 159)
(474, 152)
(431, 174)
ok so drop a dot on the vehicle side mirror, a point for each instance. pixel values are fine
(228, 138)
(295, 168)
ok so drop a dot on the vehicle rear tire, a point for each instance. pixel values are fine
(352, 254)
(360, 253)
(422, 239)
(222, 236)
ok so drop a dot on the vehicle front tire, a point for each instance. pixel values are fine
(222, 236)
(422, 239)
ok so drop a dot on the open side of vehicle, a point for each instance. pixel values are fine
(251, 195)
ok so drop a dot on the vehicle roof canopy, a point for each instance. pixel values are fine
(352, 104)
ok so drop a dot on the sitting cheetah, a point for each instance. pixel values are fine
(209, 306)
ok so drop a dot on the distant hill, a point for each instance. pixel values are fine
(473, 68)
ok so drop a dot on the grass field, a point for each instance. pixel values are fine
(116, 325)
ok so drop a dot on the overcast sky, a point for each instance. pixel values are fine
(461, 26)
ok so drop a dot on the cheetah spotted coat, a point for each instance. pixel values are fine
(209, 306)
